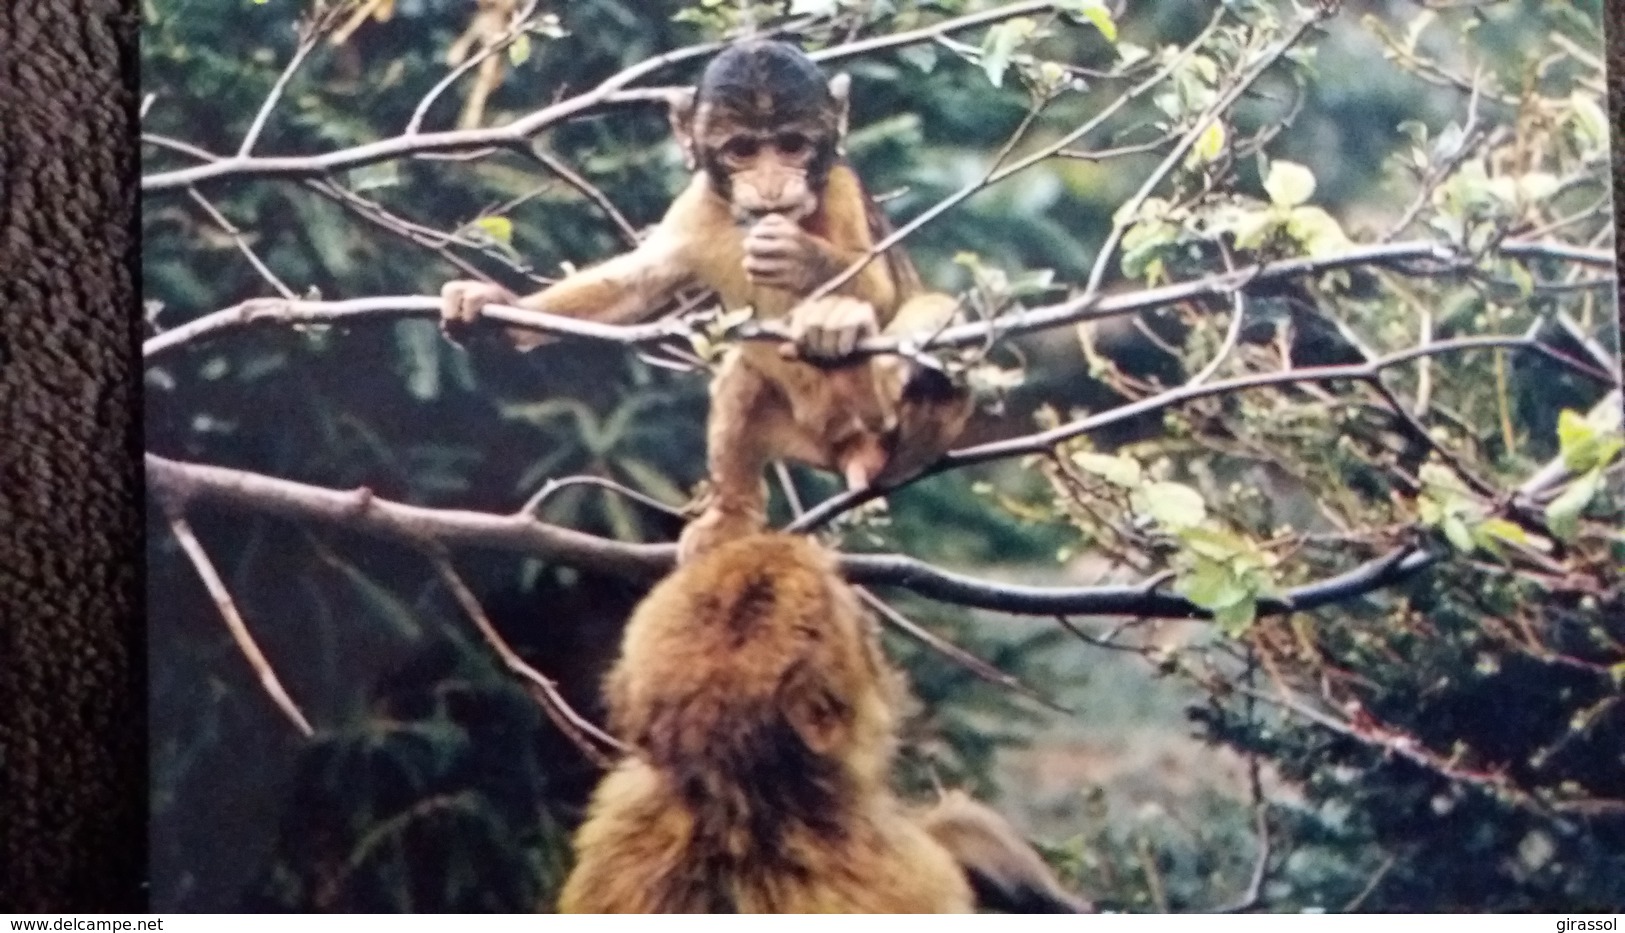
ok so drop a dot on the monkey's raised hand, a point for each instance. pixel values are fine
(830, 328)
(779, 254)
(463, 301)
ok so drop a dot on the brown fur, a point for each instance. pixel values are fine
(1003, 869)
(759, 710)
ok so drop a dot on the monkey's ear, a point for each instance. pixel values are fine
(840, 90)
(680, 111)
(814, 709)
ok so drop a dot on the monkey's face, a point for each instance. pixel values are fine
(764, 168)
(765, 127)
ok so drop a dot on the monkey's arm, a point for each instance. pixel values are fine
(1004, 871)
(780, 253)
(627, 288)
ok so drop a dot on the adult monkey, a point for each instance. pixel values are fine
(772, 212)
(761, 717)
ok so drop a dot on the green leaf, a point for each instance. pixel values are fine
(1318, 232)
(923, 57)
(1582, 444)
(1537, 186)
(1289, 184)
(1209, 146)
(519, 51)
(1521, 277)
(1117, 470)
(1458, 534)
(1213, 544)
(1563, 514)
(1096, 12)
(1000, 43)
(1173, 505)
(1128, 53)
(1430, 511)
(1213, 586)
(1589, 119)
(499, 229)
(1253, 228)
(1235, 619)
(1503, 530)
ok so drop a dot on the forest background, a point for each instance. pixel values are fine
(1384, 466)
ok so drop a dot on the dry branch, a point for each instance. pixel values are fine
(187, 484)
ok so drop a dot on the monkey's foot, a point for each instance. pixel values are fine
(717, 526)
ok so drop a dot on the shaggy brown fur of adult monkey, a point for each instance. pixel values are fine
(772, 212)
(760, 714)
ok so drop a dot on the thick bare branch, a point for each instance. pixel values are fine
(185, 484)
(1402, 257)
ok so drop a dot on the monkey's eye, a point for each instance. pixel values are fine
(792, 144)
(741, 148)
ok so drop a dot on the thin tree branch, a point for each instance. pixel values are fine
(186, 483)
(199, 557)
(612, 91)
(994, 176)
(592, 740)
(587, 190)
(554, 486)
(516, 28)
(1130, 208)
(242, 244)
(947, 649)
(1044, 440)
(310, 36)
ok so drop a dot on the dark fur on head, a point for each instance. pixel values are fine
(764, 82)
(759, 88)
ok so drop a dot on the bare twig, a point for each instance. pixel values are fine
(1261, 828)
(588, 190)
(310, 36)
(516, 28)
(189, 542)
(614, 90)
(955, 653)
(1371, 884)
(554, 486)
(596, 744)
(242, 244)
(1238, 314)
(1365, 728)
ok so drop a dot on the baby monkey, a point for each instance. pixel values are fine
(773, 211)
(761, 717)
